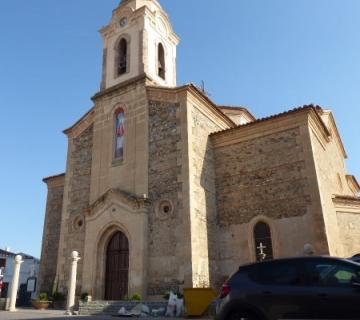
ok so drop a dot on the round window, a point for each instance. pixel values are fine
(78, 223)
(164, 209)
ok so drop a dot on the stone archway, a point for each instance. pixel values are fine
(117, 267)
(115, 212)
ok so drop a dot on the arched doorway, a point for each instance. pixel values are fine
(117, 267)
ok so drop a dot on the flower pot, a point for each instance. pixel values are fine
(197, 300)
(40, 305)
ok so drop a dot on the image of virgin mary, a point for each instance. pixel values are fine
(120, 135)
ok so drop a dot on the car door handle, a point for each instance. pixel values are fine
(323, 295)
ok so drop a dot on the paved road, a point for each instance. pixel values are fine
(30, 314)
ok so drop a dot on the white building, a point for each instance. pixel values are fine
(29, 270)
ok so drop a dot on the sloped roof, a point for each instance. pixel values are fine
(279, 115)
(12, 254)
(46, 179)
(239, 109)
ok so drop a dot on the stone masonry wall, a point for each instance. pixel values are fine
(331, 172)
(203, 200)
(51, 236)
(165, 228)
(78, 201)
(263, 176)
(349, 229)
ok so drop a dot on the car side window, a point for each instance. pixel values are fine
(277, 273)
(330, 273)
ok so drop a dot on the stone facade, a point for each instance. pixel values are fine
(203, 196)
(78, 191)
(165, 217)
(194, 180)
(262, 176)
(51, 235)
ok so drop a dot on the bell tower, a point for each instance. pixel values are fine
(139, 40)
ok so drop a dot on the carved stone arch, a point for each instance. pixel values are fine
(123, 38)
(117, 106)
(273, 233)
(163, 25)
(116, 211)
(164, 18)
(104, 236)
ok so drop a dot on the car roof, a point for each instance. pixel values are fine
(301, 259)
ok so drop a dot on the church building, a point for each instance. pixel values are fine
(165, 189)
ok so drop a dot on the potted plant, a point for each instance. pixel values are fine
(42, 302)
(84, 297)
(58, 299)
(136, 297)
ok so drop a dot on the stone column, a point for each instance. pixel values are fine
(72, 283)
(15, 283)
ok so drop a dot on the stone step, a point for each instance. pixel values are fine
(4, 303)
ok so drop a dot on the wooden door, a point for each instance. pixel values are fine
(117, 267)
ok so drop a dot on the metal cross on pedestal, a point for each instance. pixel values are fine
(262, 254)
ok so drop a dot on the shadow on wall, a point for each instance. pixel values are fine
(207, 182)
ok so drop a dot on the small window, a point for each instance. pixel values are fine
(263, 242)
(122, 63)
(161, 61)
(2, 263)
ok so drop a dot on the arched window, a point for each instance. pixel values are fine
(119, 134)
(263, 242)
(122, 57)
(161, 61)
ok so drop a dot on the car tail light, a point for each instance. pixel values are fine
(225, 290)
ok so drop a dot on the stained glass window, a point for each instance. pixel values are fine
(119, 134)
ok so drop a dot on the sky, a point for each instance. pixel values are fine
(269, 56)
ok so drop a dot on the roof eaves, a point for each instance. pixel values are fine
(46, 179)
(239, 108)
(68, 130)
(212, 104)
(279, 115)
(198, 92)
(344, 197)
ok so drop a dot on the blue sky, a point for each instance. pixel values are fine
(267, 55)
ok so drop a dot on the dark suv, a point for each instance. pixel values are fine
(356, 258)
(296, 288)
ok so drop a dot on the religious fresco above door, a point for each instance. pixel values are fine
(119, 134)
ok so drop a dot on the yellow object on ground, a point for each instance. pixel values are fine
(197, 300)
